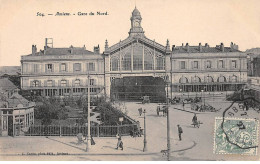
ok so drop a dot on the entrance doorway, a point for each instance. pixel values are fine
(10, 125)
(134, 88)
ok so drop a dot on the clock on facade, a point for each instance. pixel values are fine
(136, 24)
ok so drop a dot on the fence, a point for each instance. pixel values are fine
(56, 130)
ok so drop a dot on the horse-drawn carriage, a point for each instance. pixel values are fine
(146, 99)
(161, 108)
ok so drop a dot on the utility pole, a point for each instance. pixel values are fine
(145, 142)
(89, 136)
(168, 124)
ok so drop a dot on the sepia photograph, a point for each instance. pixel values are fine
(129, 80)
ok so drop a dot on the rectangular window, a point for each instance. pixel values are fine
(35, 68)
(196, 64)
(77, 67)
(220, 64)
(183, 65)
(25, 68)
(208, 64)
(63, 83)
(233, 64)
(49, 83)
(49, 67)
(91, 67)
(63, 67)
(92, 82)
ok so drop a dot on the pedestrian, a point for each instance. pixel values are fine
(119, 142)
(140, 110)
(195, 120)
(180, 131)
(92, 141)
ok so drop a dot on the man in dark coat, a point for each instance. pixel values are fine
(195, 120)
(180, 131)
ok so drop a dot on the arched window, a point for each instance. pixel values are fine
(114, 64)
(35, 83)
(137, 57)
(63, 83)
(209, 79)
(222, 79)
(183, 80)
(160, 62)
(148, 60)
(126, 61)
(233, 79)
(197, 79)
(77, 82)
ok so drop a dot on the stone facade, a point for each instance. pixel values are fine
(188, 68)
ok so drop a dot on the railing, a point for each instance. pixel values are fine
(56, 130)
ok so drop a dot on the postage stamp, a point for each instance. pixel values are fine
(236, 136)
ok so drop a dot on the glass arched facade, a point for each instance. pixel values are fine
(137, 57)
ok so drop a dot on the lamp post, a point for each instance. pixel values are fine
(168, 121)
(145, 142)
(89, 136)
(202, 96)
(181, 93)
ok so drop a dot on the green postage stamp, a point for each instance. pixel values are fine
(236, 136)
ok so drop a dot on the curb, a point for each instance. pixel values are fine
(100, 154)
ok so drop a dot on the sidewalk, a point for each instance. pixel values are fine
(69, 146)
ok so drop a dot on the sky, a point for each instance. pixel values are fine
(180, 21)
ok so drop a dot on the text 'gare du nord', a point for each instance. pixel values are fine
(136, 66)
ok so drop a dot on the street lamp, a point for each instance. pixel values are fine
(168, 121)
(202, 96)
(145, 142)
(89, 136)
(181, 93)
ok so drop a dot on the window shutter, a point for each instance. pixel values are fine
(45, 83)
(224, 64)
(179, 64)
(192, 64)
(73, 83)
(46, 67)
(59, 83)
(87, 67)
(68, 83)
(53, 83)
(31, 83)
(81, 82)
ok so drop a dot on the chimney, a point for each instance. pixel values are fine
(106, 45)
(206, 45)
(71, 49)
(200, 47)
(187, 47)
(235, 47)
(173, 47)
(167, 45)
(46, 41)
(34, 49)
(182, 45)
(84, 47)
(96, 49)
(222, 47)
(231, 45)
